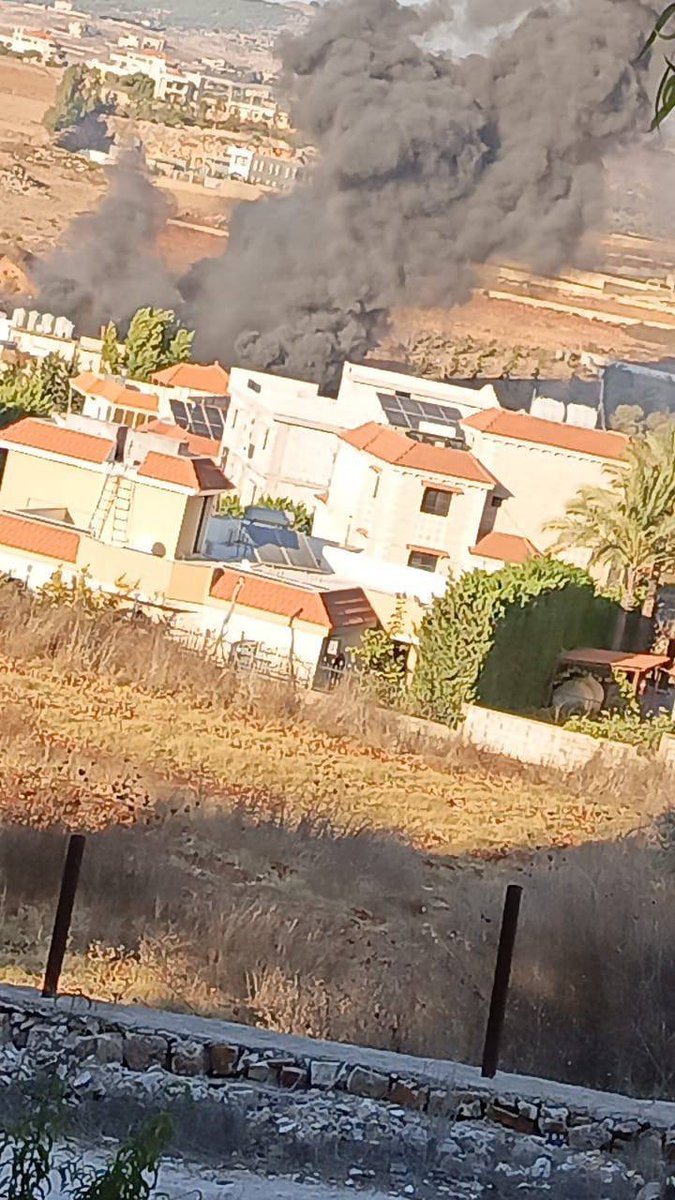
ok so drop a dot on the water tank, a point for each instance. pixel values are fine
(547, 409)
(582, 415)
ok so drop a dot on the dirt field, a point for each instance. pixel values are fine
(247, 861)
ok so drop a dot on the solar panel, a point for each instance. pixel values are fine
(404, 412)
(205, 420)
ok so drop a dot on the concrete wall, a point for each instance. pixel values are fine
(539, 482)
(33, 482)
(537, 742)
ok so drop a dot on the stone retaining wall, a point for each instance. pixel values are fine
(191, 1048)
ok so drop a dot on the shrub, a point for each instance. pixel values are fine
(498, 637)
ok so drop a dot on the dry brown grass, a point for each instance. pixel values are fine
(246, 862)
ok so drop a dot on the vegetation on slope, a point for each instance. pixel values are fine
(270, 862)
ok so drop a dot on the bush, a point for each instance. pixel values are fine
(497, 637)
(625, 724)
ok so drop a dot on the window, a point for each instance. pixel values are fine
(375, 481)
(424, 561)
(235, 415)
(436, 502)
(254, 385)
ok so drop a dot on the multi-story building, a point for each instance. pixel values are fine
(32, 43)
(78, 494)
(170, 83)
(403, 500)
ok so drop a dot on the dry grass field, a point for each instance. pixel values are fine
(276, 864)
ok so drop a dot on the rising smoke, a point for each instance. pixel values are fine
(107, 264)
(428, 162)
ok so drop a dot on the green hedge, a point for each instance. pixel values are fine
(496, 638)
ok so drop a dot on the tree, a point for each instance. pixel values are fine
(77, 97)
(111, 352)
(155, 340)
(21, 394)
(629, 525)
(55, 383)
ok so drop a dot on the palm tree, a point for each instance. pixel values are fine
(629, 525)
(664, 30)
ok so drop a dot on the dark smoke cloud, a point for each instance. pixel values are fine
(91, 133)
(425, 166)
(106, 266)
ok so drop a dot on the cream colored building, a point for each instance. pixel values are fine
(405, 501)
(540, 467)
(79, 494)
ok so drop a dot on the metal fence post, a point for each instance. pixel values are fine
(64, 912)
(500, 986)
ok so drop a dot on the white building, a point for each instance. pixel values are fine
(31, 42)
(170, 83)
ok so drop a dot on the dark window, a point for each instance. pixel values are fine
(424, 562)
(254, 385)
(436, 502)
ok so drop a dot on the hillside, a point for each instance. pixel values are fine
(244, 16)
(248, 862)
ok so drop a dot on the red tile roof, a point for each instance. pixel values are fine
(197, 377)
(393, 447)
(116, 393)
(37, 537)
(329, 610)
(507, 547)
(500, 422)
(195, 443)
(196, 474)
(36, 434)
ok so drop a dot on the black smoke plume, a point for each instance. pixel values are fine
(106, 266)
(426, 165)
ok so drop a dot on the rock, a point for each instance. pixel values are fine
(510, 1120)
(590, 1137)
(295, 1078)
(669, 1146)
(362, 1082)
(408, 1094)
(222, 1060)
(651, 1191)
(441, 1102)
(469, 1107)
(144, 1050)
(109, 1048)
(542, 1168)
(626, 1129)
(188, 1058)
(263, 1072)
(324, 1074)
(5, 1028)
(553, 1120)
(528, 1110)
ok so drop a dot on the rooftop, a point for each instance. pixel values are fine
(506, 547)
(396, 448)
(115, 392)
(524, 428)
(197, 377)
(329, 610)
(34, 433)
(195, 474)
(38, 537)
(196, 443)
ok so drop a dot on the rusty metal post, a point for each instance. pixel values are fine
(64, 912)
(500, 987)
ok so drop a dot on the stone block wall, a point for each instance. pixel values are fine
(135, 1042)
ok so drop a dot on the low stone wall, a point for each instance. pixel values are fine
(133, 1041)
(538, 742)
